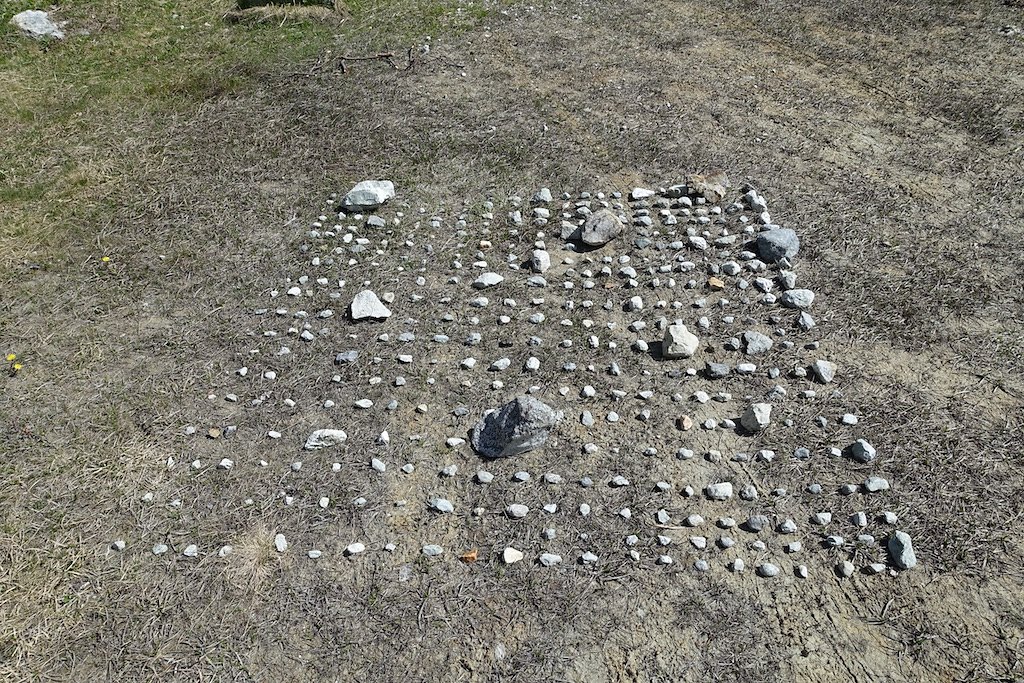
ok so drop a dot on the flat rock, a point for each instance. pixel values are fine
(756, 343)
(519, 426)
(601, 227)
(36, 24)
(368, 195)
(324, 438)
(487, 280)
(775, 245)
(366, 305)
(679, 342)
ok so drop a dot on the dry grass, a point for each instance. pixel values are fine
(196, 174)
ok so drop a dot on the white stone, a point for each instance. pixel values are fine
(324, 438)
(510, 555)
(757, 417)
(366, 305)
(679, 342)
(369, 194)
(719, 491)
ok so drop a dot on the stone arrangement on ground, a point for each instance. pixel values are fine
(577, 382)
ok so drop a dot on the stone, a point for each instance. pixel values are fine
(823, 371)
(519, 426)
(757, 417)
(797, 298)
(679, 342)
(861, 451)
(601, 227)
(756, 343)
(767, 570)
(442, 505)
(775, 245)
(487, 280)
(365, 305)
(36, 24)
(719, 491)
(517, 510)
(550, 559)
(368, 195)
(901, 550)
(510, 555)
(540, 261)
(354, 549)
(431, 550)
(280, 543)
(875, 484)
(324, 438)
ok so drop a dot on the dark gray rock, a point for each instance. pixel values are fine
(519, 426)
(775, 245)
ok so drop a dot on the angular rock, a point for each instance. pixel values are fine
(797, 298)
(324, 438)
(540, 261)
(679, 342)
(36, 24)
(601, 227)
(757, 417)
(720, 491)
(519, 426)
(510, 555)
(366, 305)
(901, 550)
(368, 195)
(861, 451)
(756, 343)
(775, 245)
(823, 371)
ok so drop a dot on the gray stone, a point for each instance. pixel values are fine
(550, 559)
(601, 227)
(862, 451)
(519, 426)
(756, 343)
(442, 505)
(901, 550)
(775, 245)
(679, 342)
(823, 371)
(432, 550)
(368, 195)
(716, 371)
(517, 510)
(36, 24)
(797, 298)
(354, 549)
(767, 570)
(488, 280)
(366, 305)
(324, 438)
(280, 543)
(875, 484)
(757, 417)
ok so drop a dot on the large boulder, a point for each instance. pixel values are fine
(517, 427)
(601, 227)
(368, 195)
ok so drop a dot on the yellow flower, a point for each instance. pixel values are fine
(11, 357)
(17, 366)
(105, 259)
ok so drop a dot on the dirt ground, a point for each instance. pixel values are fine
(890, 136)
